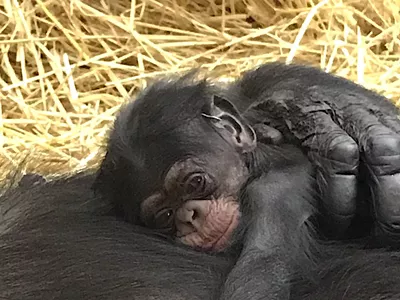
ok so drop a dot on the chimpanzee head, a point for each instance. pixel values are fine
(176, 162)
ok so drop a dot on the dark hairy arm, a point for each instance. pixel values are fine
(276, 208)
(350, 134)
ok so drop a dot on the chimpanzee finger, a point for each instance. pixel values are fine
(267, 134)
(380, 150)
(336, 157)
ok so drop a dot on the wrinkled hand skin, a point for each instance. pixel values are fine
(350, 134)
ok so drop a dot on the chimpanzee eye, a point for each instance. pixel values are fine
(164, 218)
(195, 183)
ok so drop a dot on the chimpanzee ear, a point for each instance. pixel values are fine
(231, 125)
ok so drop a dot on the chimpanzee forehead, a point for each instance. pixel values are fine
(195, 139)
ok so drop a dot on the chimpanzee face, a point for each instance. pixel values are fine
(176, 163)
(198, 200)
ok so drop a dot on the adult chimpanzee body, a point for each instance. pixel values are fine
(184, 161)
(57, 241)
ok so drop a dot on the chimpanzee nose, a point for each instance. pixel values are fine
(193, 212)
(189, 215)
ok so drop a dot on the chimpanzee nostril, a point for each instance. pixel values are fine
(187, 216)
(191, 215)
(195, 214)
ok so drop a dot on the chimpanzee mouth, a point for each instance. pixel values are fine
(204, 241)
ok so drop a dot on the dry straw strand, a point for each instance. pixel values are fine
(68, 65)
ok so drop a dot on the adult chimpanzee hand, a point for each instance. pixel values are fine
(351, 134)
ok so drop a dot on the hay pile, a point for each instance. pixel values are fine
(67, 65)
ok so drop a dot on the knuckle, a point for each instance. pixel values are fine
(345, 150)
(384, 145)
(383, 154)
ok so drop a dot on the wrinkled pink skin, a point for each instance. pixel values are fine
(207, 224)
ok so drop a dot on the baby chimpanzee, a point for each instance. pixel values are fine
(181, 156)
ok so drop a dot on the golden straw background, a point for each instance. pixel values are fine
(67, 65)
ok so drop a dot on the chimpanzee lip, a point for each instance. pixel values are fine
(222, 241)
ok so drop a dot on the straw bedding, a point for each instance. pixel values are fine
(67, 65)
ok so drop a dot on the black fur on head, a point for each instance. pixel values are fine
(171, 120)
